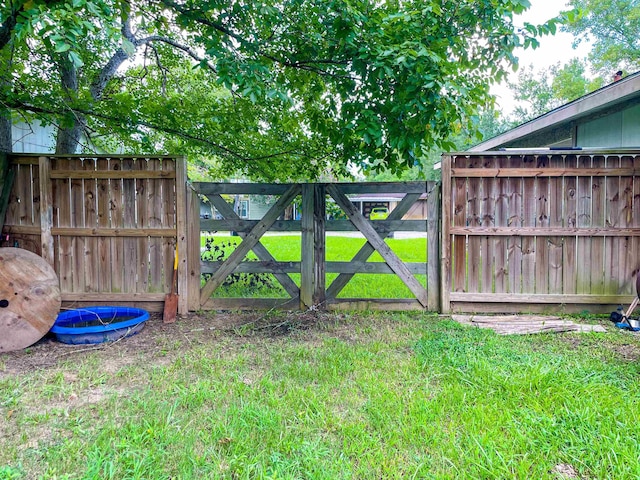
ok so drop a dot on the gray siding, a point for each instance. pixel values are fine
(618, 129)
(33, 138)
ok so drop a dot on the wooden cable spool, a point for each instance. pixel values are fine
(29, 298)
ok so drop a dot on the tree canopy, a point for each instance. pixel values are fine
(614, 28)
(273, 90)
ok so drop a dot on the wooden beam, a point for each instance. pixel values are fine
(379, 244)
(433, 248)
(182, 234)
(109, 232)
(112, 297)
(306, 248)
(248, 243)
(241, 188)
(370, 304)
(381, 226)
(193, 249)
(539, 298)
(544, 172)
(545, 231)
(251, 303)
(46, 211)
(117, 174)
(445, 245)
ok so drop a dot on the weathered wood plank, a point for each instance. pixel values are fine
(130, 244)
(142, 221)
(154, 220)
(178, 191)
(556, 219)
(541, 242)
(248, 243)
(515, 220)
(77, 220)
(116, 209)
(433, 248)
(598, 212)
(378, 243)
(570, 218)
(540, 298)
(62, 217)
(381, 226)
(103, 194)
(549, 231)
(446, 250)
(108, 174)
(331, 267)
(501, 218)
(308, 263)
(251, 303)
(319, 247)
(46, 211)
(469, 195)
(542, 172)
(614, 214)
(193, 249)
(369, 304)
(583, 221)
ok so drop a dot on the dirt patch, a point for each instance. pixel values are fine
(159, 342)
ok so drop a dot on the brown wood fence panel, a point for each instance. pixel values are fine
(540, 230)
(109, 225)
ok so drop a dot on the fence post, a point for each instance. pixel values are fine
(319, 218)
(181, 233)
(193, 249)
(433, 248)
(445, 264)
(306, 248)
(46, 210)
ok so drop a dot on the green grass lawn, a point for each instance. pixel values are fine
(286, 248)
(338, 397)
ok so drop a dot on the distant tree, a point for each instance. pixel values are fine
(613, 26)
(541, 91)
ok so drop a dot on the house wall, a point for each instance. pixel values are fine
(257, 210)
(33, 138)
(617, 129)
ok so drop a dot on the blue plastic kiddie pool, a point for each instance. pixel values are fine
(98, 324)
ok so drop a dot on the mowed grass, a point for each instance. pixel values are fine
(351, 397)
(286, 248)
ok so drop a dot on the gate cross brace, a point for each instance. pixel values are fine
(376, 242)
(248, 243)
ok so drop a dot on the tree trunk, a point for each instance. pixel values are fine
(68, 137)
(6, 141)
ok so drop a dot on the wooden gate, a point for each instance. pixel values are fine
(414, 208)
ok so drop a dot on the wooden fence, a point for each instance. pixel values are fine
(546, 231)
(313, 291)
(521, 231)
(109, 225)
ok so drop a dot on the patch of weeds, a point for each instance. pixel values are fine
(7, 472)
(218, 251)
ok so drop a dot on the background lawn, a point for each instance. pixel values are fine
(324, 397)
(286, 248)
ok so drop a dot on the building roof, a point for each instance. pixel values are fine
(606, 98)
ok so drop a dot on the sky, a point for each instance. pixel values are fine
(552, 49)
